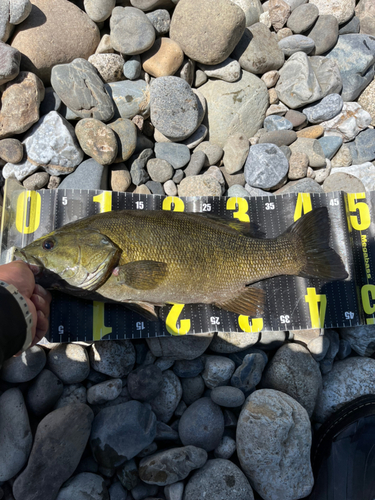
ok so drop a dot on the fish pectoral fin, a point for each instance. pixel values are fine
(141, 274)
(249, 302)
(144, 308)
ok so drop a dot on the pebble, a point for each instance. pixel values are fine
(125, 133)
(349, 122)
(10, 59)
(360, 339)
(69, 362)
(313, 132)
(174, 491)
(329, 107)
(88, 175)
(80, 87)
(218, 371)
(266, 166)
(130, 98)
(167, 399)
(188, 368)
(324, 34)
(73, 33)
(155, 187)
(115, 358)
(196, 163)
(249, 372)
(36, 181)
(191, 430)
(131, 31)
(343, 10)
(229, 70)
(279, 12)
(362, 149)
(163, 58)
(298, 165)
(50, 466)
(11, 150)
(109, 66)
(313, 150)
(296, 43)
(145, 382)
(274, 122)
(24, 367)
(120, 432)
(24, 93)
(177, 155)
(44, 392)
(272, 424)
(258, 52)
(178, 176)
(350, 27)
(132, 68)
(204, 36)
(104, 391)
(15, 433)
(97, 140)
(212, 151)
(192, 389)
(82, 486)
(143, 491)
(227, 396)
(159, 170)
(297, 118)
(197, 185)
(302, 17)
(342, 181)
(365, 173)
(226, 448)
(170, 466)
(219, 478)
(161, 20)
(72, 394)
(348, 380)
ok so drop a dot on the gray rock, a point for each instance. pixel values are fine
(130, 98)
(329, 107)
(196, 137)
(84, 486)
(174, 107)
(174, 491)
(273, 123)
(117, 492)
(360, 338)
(170, 188)
(126, 136)
(24, 367)
(145, 382)
(159, 170)
(296, 43)
(128, 474)
(192, 389)
(362, 149)
(170, 466)
(330, 145)
(351, 27)
(248, 375)
(342, 181)
(219, 478)
(348, 380)
(187, 368)
(227, 396)
(177, 155)
(132, 68)
(258, 50)
(279, 137)
(237, 190)
(238, 107)
(99, 11)
(104, 391)
(160, 20)
(184, 347)
(196, 163)
(44, 393)
(191, 430)
(19, 10)
(301, 186)
(72, 394)
(143, 491)
(218, 371)
(131, 31)
(327, 73)
(10, 59)
(228, 70)
(167, 399)
(297, 118)
(324, 34)
(345, 349)
(80, 87)
(203, 35)
(115, 358)
(365, 173)
(120, 432)
(11, 150)
(50, 466)
(266, 166)
(155, 187)
(212, 151)
(138, 172)
(226, 448)
(355, 58)
(273, 425)
(69, 362)
(199, 185)
(15, 433)
(312, 148)
(294, 371)
(88, 175)
(36, 181)
(236, 150)
(303, 17)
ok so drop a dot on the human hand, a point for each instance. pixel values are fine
(19, 274)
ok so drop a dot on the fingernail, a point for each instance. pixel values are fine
(41, 315)
(41, 291)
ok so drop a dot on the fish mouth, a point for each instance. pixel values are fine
(34, 264)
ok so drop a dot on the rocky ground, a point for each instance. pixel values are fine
(189, 97)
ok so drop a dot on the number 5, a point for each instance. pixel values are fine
(364, 212)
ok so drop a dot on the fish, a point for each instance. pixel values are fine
(148, 259)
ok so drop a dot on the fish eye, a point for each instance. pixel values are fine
(48, 244)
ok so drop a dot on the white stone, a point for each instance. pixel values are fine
(343, 10)
(347, 124)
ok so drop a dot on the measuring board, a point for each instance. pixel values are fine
(292, 303)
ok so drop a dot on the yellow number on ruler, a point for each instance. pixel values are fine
(242, 207)
(177, 202)
(99, 329)
(367, 293)
(303, 205)
(105, 201)
(313, 299)
(364, 212)
(172, 318)
(250, 326)
(22, 224)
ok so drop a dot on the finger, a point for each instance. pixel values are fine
(41, 305)
(42, 324)
(39, 290)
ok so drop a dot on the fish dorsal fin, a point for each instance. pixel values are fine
(249, 302)
(141, 274)
(249, 229)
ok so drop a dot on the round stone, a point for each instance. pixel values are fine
(329, 107)
(99, 10)
(69, 362)
(174, 107)
(324, 34)
(115, 358)
(120, 177)
(198, 185)
(303, 17)
(97, 140)
(10, 59)
(104, 391)
(342, 181)
(159, 170)
(132, 68)
(11, 150)
(160, 20)
(24, 367)
(266, 166)
(184, 347)
(212, 151)
(126, 136)
(236, 150)
(227, 396)
(218, 371)
(109, 66)
(191, 430)
(83, 486)
(207, 32)
(274, 122)
(145, 382)
(192, 389)
(296, 43)
(177, 155)
(343, 10)
(298, 165)
(163, 59)
(131, 31)
(36, 181)
(168, 397)
(44, 393)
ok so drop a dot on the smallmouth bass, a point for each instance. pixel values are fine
(152, 258)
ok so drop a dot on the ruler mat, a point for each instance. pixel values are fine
(292, 303)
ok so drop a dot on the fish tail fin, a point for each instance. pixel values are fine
(312, 231)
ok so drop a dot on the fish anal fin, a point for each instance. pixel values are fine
(141, 274)
(249, 302)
